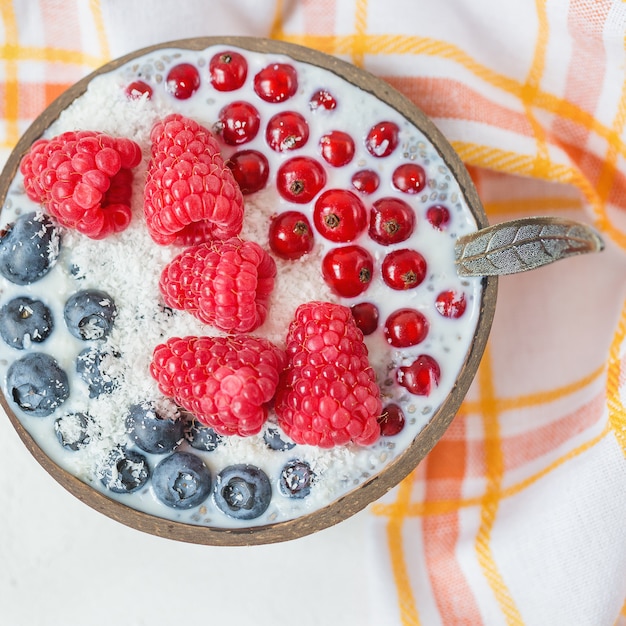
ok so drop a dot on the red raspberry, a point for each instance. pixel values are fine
(190, 195)
(223, 283)
(226, 382)
(84, 179)
(327, 395)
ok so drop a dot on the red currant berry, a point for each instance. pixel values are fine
(228, 70)
(339, 215)
(183, 81)
(322, 99)
(337, 148)
(451, 304)
(421, 376)
(382, 139)
(365, 181)
(290, 235)
(276, 82)
(137, 89)
(300, 179)
(403, 269)
(409, 178)
(438, 216)
(392, 420)
(391, 220)
(250, 169)
(365, 315)
(239, 122)
(287, 130)
(405, 328)
(348, 270)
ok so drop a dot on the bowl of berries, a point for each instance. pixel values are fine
(244, 288)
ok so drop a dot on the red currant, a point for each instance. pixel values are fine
(339, 215)
(337, 148)
(391, 220)
(451, 304)
(382, 139)
(421, 376)
(406, 327)
(287, 130)
(300, 179)
(409, 178)
(348, 270)
(322, 99)
(365, 315)
(250, 169)
(403, 269)
(365, 181)
(290, 235)
(228, 70)
(183, 81)
(239, 122)
(137, 89)
(276, 82)
(392, 420)
(438, 216)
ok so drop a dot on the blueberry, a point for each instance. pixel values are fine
(202, 437)
(74, 430)
(242, 491)
(89, 314)
(37, 384)
(24, 320)
(29, 247)
(94, 366)
(274, 441)
(125, 471)
(182, 481)
(295, 479)
(151, 430)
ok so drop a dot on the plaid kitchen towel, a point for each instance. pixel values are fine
(518, 514)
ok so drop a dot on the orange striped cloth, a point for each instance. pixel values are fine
(518, 515)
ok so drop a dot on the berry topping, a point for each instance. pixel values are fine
(290, 235)
(300, 179)
(295, 479)
(337, 148)
(190, 195)
(327, 395)
(181, 481)
(406, 327)
(365, 181)
(348, 270)
(438, 216)
(152, 429)
(322, 99)
(238, 123)
(382, 139)
(392, 421)
(274, 441)
(403, 269)
(202, 437)
(339, 215)
(242, 491)
(287, 130)
(84, 179)
(391, 221)
(421, 376)
(96, 368)
(125, 471)
(29, 248)
(89, 314)
(37, 384)
(182, 81)
(409, 178)
(228, 70)
(223, 283)
(225, 382)
(250, 169)
(75, 430)
(24, 321)
(276, 82)
(451, 304)
(365, 315)
(138, 89)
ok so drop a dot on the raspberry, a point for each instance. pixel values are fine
(83, 179)
(223, 283)
(226, 382)
(327, 395)
(190, 195)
